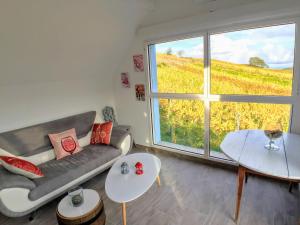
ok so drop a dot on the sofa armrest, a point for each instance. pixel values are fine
(10, 180)
(121, 140)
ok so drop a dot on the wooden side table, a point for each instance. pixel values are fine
(90, 212)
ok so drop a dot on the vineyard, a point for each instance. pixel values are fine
(182, 121)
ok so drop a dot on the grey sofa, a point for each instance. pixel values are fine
(20, 196)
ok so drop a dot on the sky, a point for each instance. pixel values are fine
(275, 45)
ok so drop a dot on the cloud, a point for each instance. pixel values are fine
(275, 45)
(280, 31)
(192, 47)
(276, 54)
(239, 48)
(235, 51)
(194, 52)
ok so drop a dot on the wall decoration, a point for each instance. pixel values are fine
(109, 115)
(140, 92)
(138, 62)
(125, 80)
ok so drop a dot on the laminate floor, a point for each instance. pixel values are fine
(192, 193)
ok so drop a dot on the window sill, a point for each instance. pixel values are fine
(195, 152)
(181, 147)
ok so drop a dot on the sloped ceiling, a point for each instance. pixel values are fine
(65, 39)
(166, 10)
(50, 40)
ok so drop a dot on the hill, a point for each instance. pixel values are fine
(182, 121)
(235, 78)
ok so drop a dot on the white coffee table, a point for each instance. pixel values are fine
(125, 188)
(91, 210)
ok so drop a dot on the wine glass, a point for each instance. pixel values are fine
(273, 131)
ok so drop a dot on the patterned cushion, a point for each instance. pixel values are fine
(65, 143)
(101, 133)
(21, 167)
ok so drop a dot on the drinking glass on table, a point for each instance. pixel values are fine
(273, 132)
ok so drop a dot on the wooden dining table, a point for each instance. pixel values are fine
(246, 147)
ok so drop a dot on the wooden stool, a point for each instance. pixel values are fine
(90, 212)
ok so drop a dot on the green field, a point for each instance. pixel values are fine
(182, 121)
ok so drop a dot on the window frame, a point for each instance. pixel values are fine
(207, 97)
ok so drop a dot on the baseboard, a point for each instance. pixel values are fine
(188, 157)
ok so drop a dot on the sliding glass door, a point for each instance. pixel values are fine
(206, 86)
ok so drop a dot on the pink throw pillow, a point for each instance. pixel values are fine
(65, 143)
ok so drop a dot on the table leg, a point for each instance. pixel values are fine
(240, 185)
(124, 212)
(290, 186)
(158, 180)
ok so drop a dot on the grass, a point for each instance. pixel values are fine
(182, 121)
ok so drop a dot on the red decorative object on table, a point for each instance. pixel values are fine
(139, 168)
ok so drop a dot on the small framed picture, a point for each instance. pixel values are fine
(138, 62)
(140, 92)
(125, 80)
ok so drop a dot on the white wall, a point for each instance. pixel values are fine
(130, 111)
(58, 58)
(136, 113)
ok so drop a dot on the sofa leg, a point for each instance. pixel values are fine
(32, 216)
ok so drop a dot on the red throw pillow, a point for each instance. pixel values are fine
(101, 133)
(20, 166)
(65, 143)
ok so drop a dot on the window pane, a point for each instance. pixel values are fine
(179, 123)
(177, 66)
(230, 116)
(255, 61)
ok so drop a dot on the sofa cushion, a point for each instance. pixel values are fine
(61, 172)
(117, 137)
(10, 180)
(32, 140)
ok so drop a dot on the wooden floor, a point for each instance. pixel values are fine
(193, 194)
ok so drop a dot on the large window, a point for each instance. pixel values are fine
(206, 86)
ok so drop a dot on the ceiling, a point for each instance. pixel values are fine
(167, 10)
(53, 40)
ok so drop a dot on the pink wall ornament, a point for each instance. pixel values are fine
(125, 80)
(138, 62)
